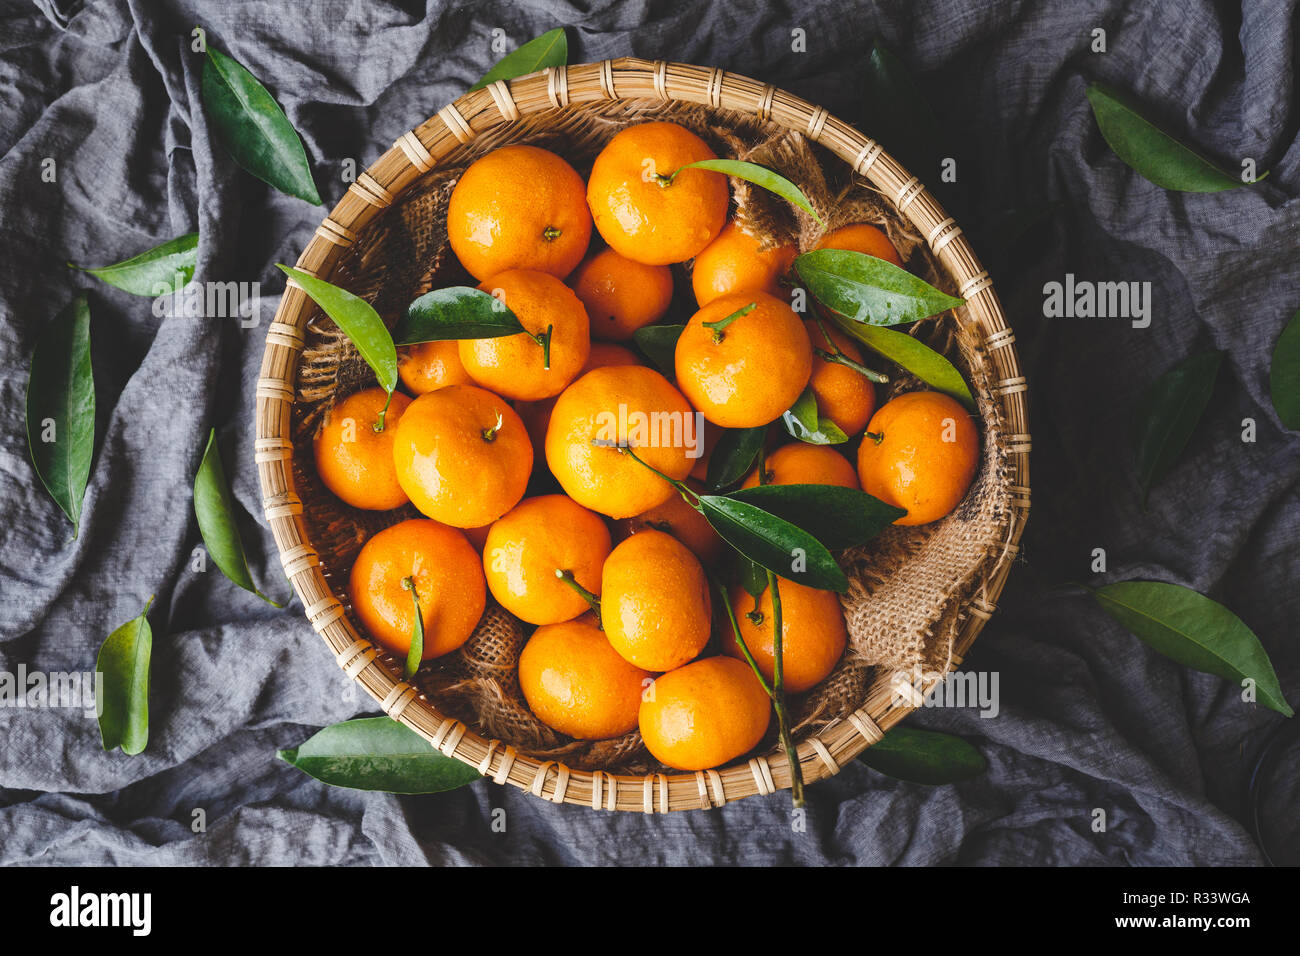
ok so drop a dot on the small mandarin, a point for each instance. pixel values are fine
(655, 603)
(519, 207)
(621, 295)
(516, 366)
(862, 237)
(677, 518)
(736, 262)
(705, 714)
(920, 452)
(641, 209)
(743, 369)
(431, 365)
(844, 395)
(799, 463)
(353, 460)
(576, 684)
(462, 455)
(813, 635)
(530, 543)
(448, 579)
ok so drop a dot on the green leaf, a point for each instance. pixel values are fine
(774, 543)
(1173, 405)
(804, 422)
(549, 49)
(358, 320)
(158, 271)
(215, 509)
(898, 115)
(912, 354)
(1153, 153)
(457, 312)
(752, 577)
(61, 408)
(759, 176)
(924, 756)
(837, 517)
(1195, 631)
(1284, 374)
(376, 753)
(869, 290)
(250, 124)
(415, 652)
(124, 706)
(659, 343)
(733, 456)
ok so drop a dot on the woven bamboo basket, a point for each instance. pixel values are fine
(564, 102)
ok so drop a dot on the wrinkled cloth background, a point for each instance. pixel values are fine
(1090, 718)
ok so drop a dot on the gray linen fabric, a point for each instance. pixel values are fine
(1090, 718)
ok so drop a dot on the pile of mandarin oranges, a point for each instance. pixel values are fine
(612, 569)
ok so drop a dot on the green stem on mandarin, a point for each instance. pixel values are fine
(490, 434)
(682, 488)
(735, 629)
(378, 426)
(778, 696)
(717, 327)
(544, 340)
(550, 233)
(877, 438)
(840, 358)
(565, 575)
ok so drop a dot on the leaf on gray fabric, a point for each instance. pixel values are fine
(924, 756)
(1193, 630)
(215, 509)
(124, 702)
(1170, 412)
(457, 312)
(253, 128)
(898, 115)
(868, 289)
(61, 408)
(377, 753)
(1154, 154)
(1284, 374)
(162, 270)
(549, 49)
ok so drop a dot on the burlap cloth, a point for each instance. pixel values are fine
(907, 587)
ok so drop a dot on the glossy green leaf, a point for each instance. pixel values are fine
(912, 354)
(250, 124)
(376, 753)
(358, 320)
(837, 517)
(1195, 631)
(774, 543)
(1153, 153)
(415, 652)
(215, 509)
(61, 408)
(659, 343)
(457, 312)
(804, 422)
(733, 456)
(1170, 411)
(124, 702)
(1284, 374)
(759, 176)
(868, 289)
(752, 577)
(924, 756)
(162, 270)
(899, 116)
(549, 49)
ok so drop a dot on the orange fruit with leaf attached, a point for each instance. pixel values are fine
(677, 518)
(654, 601)
(528, 545)
(462, 455)
(737, 262)
(519, 207)
(448, 583)
(844, 395)
(537, 415)
(920, 452)
(800, 463)
(431, 365)
(620, 294)
(355, 461)
(705, 714)
(743, 366)
(575, 683)
(592, 426)
(645, 206)
(540, 361)
(862, 237)
(813, 635)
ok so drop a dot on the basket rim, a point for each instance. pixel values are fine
(419, 151)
